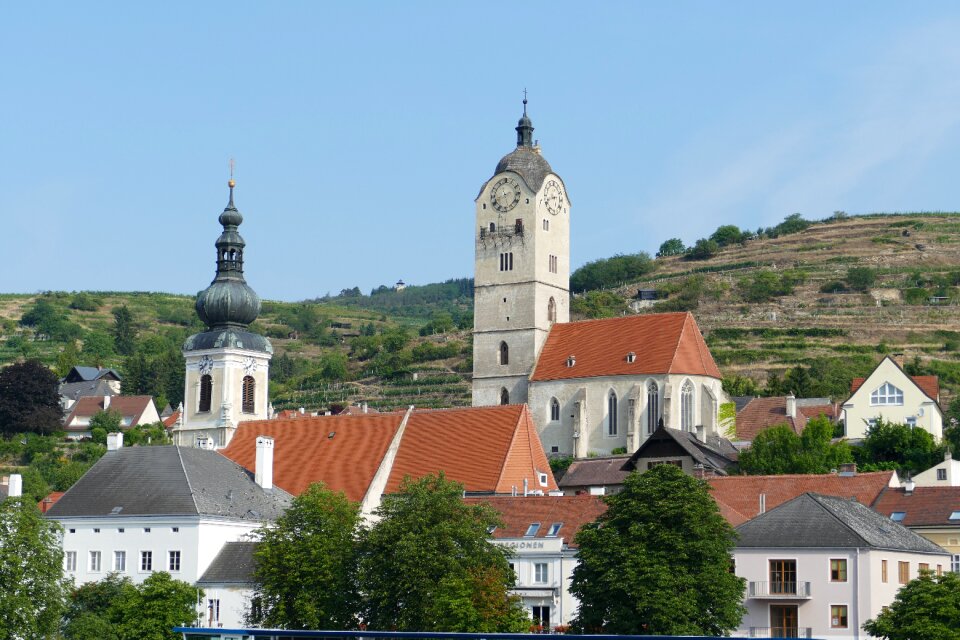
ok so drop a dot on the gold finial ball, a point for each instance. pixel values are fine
(231, 183)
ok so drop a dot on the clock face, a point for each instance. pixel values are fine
(249, 366)
(553, 197)
(505, 194)
(206, 365)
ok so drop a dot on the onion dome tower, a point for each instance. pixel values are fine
(227, 365)
(521, 269)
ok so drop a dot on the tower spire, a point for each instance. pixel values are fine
(524, 126)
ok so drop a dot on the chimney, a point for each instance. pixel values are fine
(526, 487)
(365, 408)
(847, 469)
(114, 441)
(791, 406)
(763, 503)
(701, 433)
(106, 402)
(263, 471)
(898, 358)
(910, 485)
(947, 455)
(15, 489)
(303, 410)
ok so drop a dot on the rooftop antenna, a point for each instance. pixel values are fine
(524, 101)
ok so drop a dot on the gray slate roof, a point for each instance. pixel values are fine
(716, 453)
(227, 338)
(528, 164)
(74, 390)
(233, 565)
(169, 481)
(595, 472)
(80, 373)
(816, 521)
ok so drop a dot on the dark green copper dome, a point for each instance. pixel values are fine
(228, 305)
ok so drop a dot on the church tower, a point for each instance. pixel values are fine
(521, 270)
(227, 365)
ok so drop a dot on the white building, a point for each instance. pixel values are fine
(819, 567)
(228, 586)
(889, 393)
(144, 509)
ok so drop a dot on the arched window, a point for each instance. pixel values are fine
(886, 395)
(554, 409)
(686, 406)
(552, 310)
(653, 406)
(504, 396)
(504, 353)
(206, 391)
(249, 404)
(612, 414)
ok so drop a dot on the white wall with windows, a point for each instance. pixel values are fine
(543, 567)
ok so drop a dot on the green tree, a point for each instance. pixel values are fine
(97, 348)
(703, 250)
(658, 561)
(927, 608)
(108, 420)
(89, 615)
(153, 608)
(611, 272)
(333, 366)
(861, 278)
(779, 450)
(427, 565)
(741, 386)
(29, 400)
(68, 358)
(671, 247)
(307, 564)
(124, 332)
(32, 588)
(728, 234)
(910, 449)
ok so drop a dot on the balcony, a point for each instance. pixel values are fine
(779, 591)
(781, 632)
(494, 231)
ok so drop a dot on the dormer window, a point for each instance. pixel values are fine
(886, 395)
(571, 360)
(631, 357)
(532, 530)
(554, 529)
(898, 516)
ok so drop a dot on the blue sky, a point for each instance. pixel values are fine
(363, 131)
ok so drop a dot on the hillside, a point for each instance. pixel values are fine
(787, 306)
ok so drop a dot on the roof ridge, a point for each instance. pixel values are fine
(621, 318)
(186, 476)
(509, 450)
(676, 346)
(816, 497)
(700, 342)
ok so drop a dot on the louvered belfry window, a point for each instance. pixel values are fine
(206, 391)
(249, 389)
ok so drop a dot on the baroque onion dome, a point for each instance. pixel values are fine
(525, 160)
(228, 305)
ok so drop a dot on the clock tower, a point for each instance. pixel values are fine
(227, 365)
(521, 269)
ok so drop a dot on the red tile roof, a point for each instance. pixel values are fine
(930, 385)
(130, 407)
(763, 413)
(926, 506)
(740, 495)
(519, 512)
(171, 419)
(662, 342)
(815, 411)
(51, 499)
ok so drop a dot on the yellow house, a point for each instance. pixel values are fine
(889, 393)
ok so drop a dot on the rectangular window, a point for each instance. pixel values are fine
(955, 563)
(541, 572)
(546, 225)
(911, 422)
(883, 570)
(541, 617)
(173, 561)
(554, 529)
(941, 474)
(95, 561)
(838, 570)
(939, 569)
(898, 516)
(783, 577)
(506, 261)
(903, 572)
(838, 616)
(70, 561)
(120, 561)
(923, 567)
(532, 530)
(146, 561)
(213, 611)
(553, 264)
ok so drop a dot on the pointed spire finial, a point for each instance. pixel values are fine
(231, 182)
(524, 126)
(524, 101)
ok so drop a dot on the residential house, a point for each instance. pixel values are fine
(943, 474)
(88, 381)
(228, 586)
(889, 393)
(820, 566)
(134, 410)
(933, 512)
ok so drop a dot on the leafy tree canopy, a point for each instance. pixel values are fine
(729, 234)
(306, 575)
(910, 449)
(658, 561)
(671, 247)
(704, 249)
(861, 278)
(124, 331)
(779, 450)
(927, 608)
(29, 399)
(427, 565)
(611, 272)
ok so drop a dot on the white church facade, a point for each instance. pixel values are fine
(592, 386)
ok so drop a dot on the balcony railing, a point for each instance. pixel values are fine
(788, 590)
(781, 632)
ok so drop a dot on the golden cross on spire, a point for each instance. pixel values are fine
(232, 166)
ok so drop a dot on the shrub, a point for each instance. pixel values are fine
(704, 249)
(834, 286)
(611, 272)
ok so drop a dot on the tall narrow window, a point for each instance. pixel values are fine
(553, 264)
(554, 409)
(504, 356)
(504, 396)
(612, 414)
(506, 261)
(686, 406)
(653, 406)
(552, 310)
(249, 391)
(206, 391)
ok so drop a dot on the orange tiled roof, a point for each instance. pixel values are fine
(51, 499)
(741, 494)
(518, 513)
(171, 419)
(763, 413)
(489, 449)
(816, 410)
(662, 342)
(930, 385)
(304, 452)
(926, 506)
(131, 407)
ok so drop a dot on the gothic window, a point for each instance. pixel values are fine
(686, 406)
(249, 404)
(493, 226)
(504, 396)
(552, 310)
(554, 409)
(206, 391)
(553, 264)
(653, 406)
(612, 414)
(887, 395)
(504, 355)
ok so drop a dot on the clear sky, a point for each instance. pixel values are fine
(363, 131)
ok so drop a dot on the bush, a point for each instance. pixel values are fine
(834, 286)
(671, 247)
(611, 272)
(703, 250)
(729, 234)
(861, 278)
